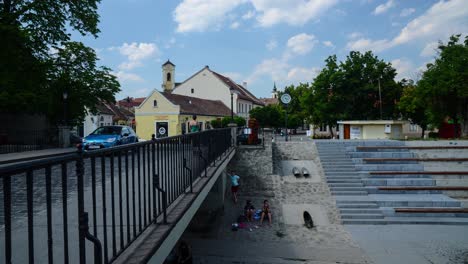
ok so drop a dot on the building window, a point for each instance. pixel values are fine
(192, 90)
(102, 119)
(413, 128)
(168, 78)
(155, 103)
(323, 128)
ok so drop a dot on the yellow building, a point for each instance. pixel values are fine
(371, 129)
(165, 114)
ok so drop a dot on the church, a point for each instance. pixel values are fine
(207, 94)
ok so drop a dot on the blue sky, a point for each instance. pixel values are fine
(266, 41)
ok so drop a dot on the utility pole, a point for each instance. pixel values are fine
(380, 99)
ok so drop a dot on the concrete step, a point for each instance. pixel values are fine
(392, 176)
(338, 167)
(358, 205)
(360, 211)
(344, 181)
(381, 155)
(349, 192)
(345, 185)
(347, 189)
(398, 182)
(389, 167)
(408, 221)
(362, 216)
(375, 190)
(464, 215)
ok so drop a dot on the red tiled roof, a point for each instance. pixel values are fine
(131, 102)
(269, 101)
(192, 105)
(243, 93)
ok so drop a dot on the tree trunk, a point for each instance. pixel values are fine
(331, 131)
(423, 131)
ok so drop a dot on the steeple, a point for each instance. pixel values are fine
(274, 94)
(168, 76)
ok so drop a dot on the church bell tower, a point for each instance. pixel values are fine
(168, 76)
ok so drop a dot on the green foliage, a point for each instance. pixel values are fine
(412, 105)
(39, 62)
(350, 90)
(444, 84)
(268, 116)
(216, 123)
(240, 121)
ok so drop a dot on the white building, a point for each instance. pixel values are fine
(103, 117)
(208, 84)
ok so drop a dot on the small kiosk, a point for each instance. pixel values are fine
(371, 129)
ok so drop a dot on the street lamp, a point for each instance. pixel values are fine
(232, 91)
(65, 97)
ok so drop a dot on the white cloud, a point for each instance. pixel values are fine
(407, 11)
(301, 44)
(364, 44)
(443, 19)
(440, 21)
(430, 49)
(136, 53)
(404, 68)
(235, 25)
(292, 12)
(126, 76)
(250, 14)
(380, 9)
(272, 44)
(328, 44)
(274, 68)
(202, 15)
(299, 74)
(354, 35)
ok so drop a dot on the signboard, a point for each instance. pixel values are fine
(355, 132)
(308, 133)
(285, 98)
(388, 129)
(247, 131)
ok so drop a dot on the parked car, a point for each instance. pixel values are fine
(243, 139)
(109, 136)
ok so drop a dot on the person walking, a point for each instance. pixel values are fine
(194, 125)
(234, 185)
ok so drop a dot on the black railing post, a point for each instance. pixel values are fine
(155, 179)
(164, 198)
(190, 174)
(81, 230)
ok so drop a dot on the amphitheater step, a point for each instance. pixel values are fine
(346, 185)
(349, 192)
(360, 211)
(398, 182)
(407, 221)
(362, 216)
(358, 205)
(348, 189)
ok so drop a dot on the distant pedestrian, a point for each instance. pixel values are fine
(234, 185)
(266, 212)
(194, 125)
(249, 210)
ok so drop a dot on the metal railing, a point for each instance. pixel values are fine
(27, 140)
(107, 197)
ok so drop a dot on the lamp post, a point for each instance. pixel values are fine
(65, 97)
(380, 99)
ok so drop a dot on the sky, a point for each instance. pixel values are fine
(263, 42)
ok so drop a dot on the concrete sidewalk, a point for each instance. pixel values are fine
(30, 155)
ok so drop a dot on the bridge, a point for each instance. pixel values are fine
(127, 204)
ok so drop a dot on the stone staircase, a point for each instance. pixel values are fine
(363, 198)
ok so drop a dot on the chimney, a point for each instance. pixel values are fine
(244, 84)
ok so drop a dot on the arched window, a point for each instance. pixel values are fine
(155, 103)
(168, 76)
(102, 119)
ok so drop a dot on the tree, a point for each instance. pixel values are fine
(444, 84)
(412, 105)
(76, 73)
(240, 121)
(268, 116)
(350, 90)
(32, 75)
